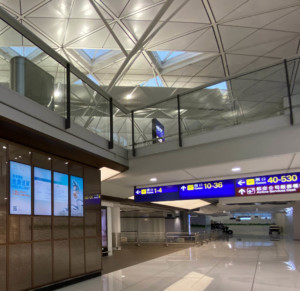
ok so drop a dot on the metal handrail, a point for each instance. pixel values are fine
(70, 68)
(209, 84)
(12, 22)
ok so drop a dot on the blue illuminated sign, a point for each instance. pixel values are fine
(212, 189)
(261, 185)
(199, 190)
(161, 193)
(266, 185)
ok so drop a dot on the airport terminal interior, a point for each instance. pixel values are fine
(149, 145)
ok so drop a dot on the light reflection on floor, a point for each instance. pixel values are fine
(235, 264)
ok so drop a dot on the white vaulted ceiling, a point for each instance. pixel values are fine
(191, 42)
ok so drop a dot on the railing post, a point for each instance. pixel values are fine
(132, 132)
(289, 92)
(68, 117)
(179, 121)
(111, 125)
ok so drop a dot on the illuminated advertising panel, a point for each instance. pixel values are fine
(76, 184)
(61, 194)
(42, 191)
(103, 227)
(20, 188)
(158, 131)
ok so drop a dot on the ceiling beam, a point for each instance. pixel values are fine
(140, 42)
(109, 28)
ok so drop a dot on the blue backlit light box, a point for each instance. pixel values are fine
(61, 194)
(20, 188)
(76, 196)
(158, 131)
(42, 191)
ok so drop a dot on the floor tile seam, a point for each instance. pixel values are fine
(257, 262)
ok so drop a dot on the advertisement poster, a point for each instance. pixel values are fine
(42, 191)
(61, 197)
(20, 188)
(76, 196)
(103, 227)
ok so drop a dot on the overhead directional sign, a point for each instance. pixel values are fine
(212, 189)
(252, 186)
(266, 185)
(199, 190)
(161, 193)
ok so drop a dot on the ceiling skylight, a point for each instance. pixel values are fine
(154, 82)
(167, 55)
(221, 86)
(93, 79)
(94, 54)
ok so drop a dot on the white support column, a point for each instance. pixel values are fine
(116, 228)
(109, 231)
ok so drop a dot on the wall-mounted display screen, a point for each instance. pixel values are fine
(20, 188)
(42, 191)
(76, 185)
(61, 194)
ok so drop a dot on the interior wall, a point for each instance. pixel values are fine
(41, 250)
(148, 224)
(296, 217)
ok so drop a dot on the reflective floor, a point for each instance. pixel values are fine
(234, 264)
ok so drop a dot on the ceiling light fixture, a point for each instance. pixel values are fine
(128, 97)
(153, 179)
(107, 173)
(237, 169)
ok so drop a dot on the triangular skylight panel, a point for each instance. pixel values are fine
(154, 82)
(167, 55)
(94, 54)
(23, 51)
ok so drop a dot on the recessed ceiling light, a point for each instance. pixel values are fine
(237, 169)
(153, 179)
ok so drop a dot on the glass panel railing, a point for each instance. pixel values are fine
(89, 109)
(206, 109)
(122, 128)
(156, 124)
(28, 70)
(294, 80)
(261, 94)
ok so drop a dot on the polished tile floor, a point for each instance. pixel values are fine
(237, 264)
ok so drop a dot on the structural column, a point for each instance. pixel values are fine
(116, 228)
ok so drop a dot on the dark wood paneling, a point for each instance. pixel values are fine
(28, 137)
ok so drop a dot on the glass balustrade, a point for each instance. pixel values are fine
(257, 95)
